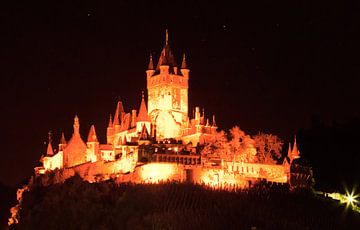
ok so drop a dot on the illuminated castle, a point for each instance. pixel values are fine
(157, 142)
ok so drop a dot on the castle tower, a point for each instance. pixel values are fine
(143, 118)
(295, 153)
(92, 153)
(110, 132)
(118, 117)
(75, 151)
(167, 94)
(76, 126)
(62, 144)
(49, 151)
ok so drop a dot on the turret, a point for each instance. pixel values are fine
(110, 131)
(197, 119)
(289, 150)
(166, 63)
(184, 69)
(118, 117)
(92, 152)
(213, 125)
(295, 153)
(63, 143)
(76, 126)
(133, 118)
(49, 151)
(197, 115)
(143, 117)
(150, 70)
(92, 135)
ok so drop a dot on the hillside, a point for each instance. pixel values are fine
(76, 204)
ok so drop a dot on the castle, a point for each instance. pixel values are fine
(158, 142)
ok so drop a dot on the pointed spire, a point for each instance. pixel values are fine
(213, 121)
(62, 143)
(166, 57)
(289, 150)
(143, 113)
(183, 64)
(118, 113)
(167, 37)
(151, 63)
(92, 135)
(207, 122)
(144, 135)
(110, 122)
(62, 139)
(76, 126)
(49, 151)
(295, 152)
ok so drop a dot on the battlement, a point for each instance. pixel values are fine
(167, 79)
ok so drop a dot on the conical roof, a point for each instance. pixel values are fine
(151, 63)
(62, 139)
(295, 152)
(143, 113)
(183, 64)
(166, 57)
(49, 150)
(92, 135)
(110, 122)
(289, 150)
(118, 112)
(144, 135)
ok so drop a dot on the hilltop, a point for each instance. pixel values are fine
(77, 204)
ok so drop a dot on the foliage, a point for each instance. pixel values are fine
(216, 148)
(77, 204)
(241, 145)
(268, 147)
(235, 146)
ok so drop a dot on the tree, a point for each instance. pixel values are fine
(217, 147)
(268, 147)
(241, 146)
(235, 146)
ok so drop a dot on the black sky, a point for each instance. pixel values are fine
(265, 66)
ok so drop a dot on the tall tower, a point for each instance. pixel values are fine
(167, 88)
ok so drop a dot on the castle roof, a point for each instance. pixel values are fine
(110, 122)
(126, 122)
(151, 63)
(166, 57)
(183, 64)
(143, 113)
(295, 152)
(92, 135)
(62, 139)
(144, 135)
(118, 113)
(289, 149)
(49, 151)
(106, 147)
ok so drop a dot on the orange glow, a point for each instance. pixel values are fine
(53, 162)
(156, 172)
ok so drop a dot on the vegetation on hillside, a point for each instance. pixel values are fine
(77, 204)
(238, 146)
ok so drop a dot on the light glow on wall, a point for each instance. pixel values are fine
(157, 172)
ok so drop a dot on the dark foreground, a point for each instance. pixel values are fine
(81, 205)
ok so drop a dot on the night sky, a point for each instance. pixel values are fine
(265, 66)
